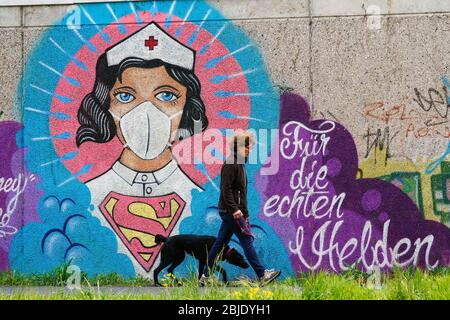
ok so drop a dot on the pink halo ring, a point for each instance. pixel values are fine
(103, 155)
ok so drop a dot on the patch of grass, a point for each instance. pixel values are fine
(351, 285)
(60, 276)
(57, 277)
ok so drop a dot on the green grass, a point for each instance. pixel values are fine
(59, 277)
(353, 284)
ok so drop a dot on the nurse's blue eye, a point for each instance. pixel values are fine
(124, 97)
(166, 96)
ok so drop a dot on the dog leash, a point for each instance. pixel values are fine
(245, 227)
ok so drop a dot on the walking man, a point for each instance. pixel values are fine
(233, 210)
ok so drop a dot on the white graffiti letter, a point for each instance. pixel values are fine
(74, 17)
(74, 280)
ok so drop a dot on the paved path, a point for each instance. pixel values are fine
(103, 289)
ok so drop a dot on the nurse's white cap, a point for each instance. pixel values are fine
(152, 42)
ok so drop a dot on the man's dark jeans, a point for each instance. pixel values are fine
(229, 227)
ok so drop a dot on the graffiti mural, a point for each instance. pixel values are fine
(422, 126)
(440, 188)
(125, 122)
(19, 192)
(331, 220)
(146, 69)
(107, 113)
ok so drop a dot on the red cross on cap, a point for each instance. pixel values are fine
(151, 43)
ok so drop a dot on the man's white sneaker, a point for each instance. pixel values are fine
(269, 276)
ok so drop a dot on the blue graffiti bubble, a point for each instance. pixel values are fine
(67, 238)
(55, 244)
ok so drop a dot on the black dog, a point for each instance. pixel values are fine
(174, 249)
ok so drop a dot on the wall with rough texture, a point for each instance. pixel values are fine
(348, 101)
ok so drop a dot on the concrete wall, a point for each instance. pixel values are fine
(379, 69)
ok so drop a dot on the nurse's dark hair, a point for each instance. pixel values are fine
(97, 123)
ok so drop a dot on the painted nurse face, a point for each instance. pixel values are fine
(147, 84)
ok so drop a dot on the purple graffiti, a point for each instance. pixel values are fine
(328, 219)
(19, 195)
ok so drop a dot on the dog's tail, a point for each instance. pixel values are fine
(160, 238)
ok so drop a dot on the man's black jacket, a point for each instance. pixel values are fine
(233, 186)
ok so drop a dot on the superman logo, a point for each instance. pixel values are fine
(137, 220)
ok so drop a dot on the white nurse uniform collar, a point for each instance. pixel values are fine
(152, 42)
(158, 176)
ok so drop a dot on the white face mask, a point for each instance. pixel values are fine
(146, 130)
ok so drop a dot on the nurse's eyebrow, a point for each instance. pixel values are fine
(168, 87)
(126, 87)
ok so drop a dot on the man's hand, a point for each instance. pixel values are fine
(237, 215)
